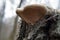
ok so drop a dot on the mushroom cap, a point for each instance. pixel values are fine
(32, 13)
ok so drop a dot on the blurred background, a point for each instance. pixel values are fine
(10, 22)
